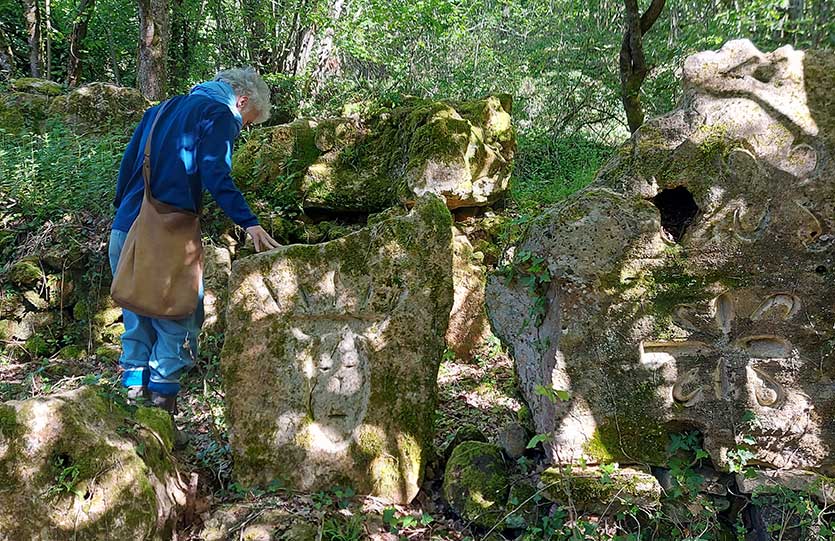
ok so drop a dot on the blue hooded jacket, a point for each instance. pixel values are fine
(191, 151)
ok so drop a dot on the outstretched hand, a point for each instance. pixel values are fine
(261, 239)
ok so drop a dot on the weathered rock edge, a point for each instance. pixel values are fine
(76, 464)
(331, 356)
(726, 329)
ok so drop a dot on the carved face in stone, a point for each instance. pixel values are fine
(730, 314)
(335, 368)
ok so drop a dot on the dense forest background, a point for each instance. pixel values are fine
(582, 75)
(557, 58)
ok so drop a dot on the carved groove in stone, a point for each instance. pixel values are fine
(723, 309)
(766, 346)
(683, 316)
(743, 164)
(768, 392)
(810, 230)
(658, 353)
(721, 385)
(778, 306)
(687, 399)
(802, 160)
(746, 233)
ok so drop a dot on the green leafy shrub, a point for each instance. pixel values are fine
(48, 175)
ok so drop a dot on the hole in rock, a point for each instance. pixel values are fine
(463, 214)
(316, 216)
(820, 269)
(678, 209)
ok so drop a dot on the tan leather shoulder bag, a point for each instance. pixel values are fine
(161, 264)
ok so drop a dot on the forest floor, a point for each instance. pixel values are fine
(480, 393)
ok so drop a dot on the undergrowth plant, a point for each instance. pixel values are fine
(47, 175)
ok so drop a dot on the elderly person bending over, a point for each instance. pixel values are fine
(191, 150)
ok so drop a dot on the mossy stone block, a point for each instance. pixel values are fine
(26, 272)
(594, 490)
(476, 482)
(34, 85)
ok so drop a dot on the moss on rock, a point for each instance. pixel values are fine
(72, 467)
(158, 421)
(476, 482)
(98, 108)
(341, 343)
(36, 346)
(26, 272)
(71, 352)
(345, 165)
(34, 85)
(593, 490)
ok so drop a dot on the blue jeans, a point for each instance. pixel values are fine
(155, 352)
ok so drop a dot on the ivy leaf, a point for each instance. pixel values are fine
(536, 440)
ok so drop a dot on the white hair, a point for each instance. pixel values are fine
(247, 82)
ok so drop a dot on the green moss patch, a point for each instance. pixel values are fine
(598, 490)
(476, 482)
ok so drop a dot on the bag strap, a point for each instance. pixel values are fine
(146, 162)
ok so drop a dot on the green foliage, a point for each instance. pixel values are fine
(554, 395)
(795, 511)
(395, 524)
(343, 528)
(66, 478)
(46, 176)
(685, 452)
(536, 440)
(531, 271)
(549, 169)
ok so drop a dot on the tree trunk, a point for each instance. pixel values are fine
(288, 58)
(6, 57)
(256, 33)
(48, 16)
(79, 32)
(327, 63)
(180, 57)
(32, 15)
(796, 8)
(114, 64)
(633, 66)
(153, 48)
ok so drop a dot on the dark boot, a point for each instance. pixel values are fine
(169, 404)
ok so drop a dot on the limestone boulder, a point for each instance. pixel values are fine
(332, 352)
(217, 265)
(34, 85)
(97, 108)
(77, 465)
(476, 482)
(593, 490)
(460, 150)
(468, 323)
(691, 286)
(20, 111)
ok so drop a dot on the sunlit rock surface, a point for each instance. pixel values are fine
(77, 466)
(692, 286)
(100, 108)
(332, 352)
(462, 151)
(468, 324)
